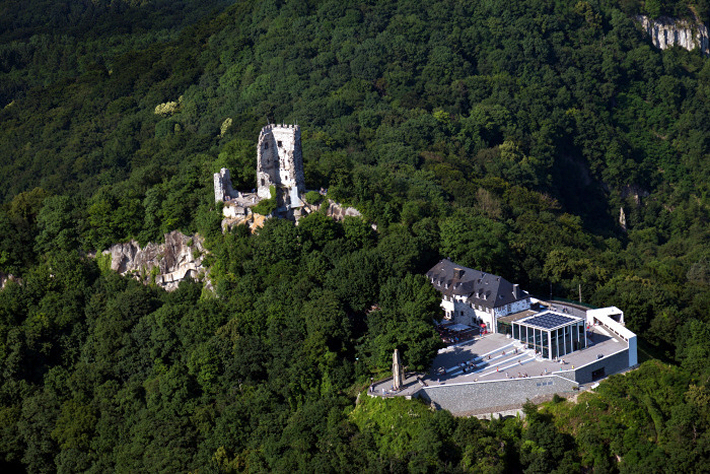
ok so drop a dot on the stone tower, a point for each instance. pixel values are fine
(279, 163)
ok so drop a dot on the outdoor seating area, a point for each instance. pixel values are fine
(452, 333)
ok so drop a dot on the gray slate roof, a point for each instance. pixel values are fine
(481, 288)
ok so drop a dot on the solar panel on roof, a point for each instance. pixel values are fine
(548, 320)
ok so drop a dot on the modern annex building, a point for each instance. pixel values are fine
(550, 334)
(532, 349)
(475, 298)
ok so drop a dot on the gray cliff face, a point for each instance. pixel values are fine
(179, 258)
(668, 32)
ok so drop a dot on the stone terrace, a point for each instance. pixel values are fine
(496, 357)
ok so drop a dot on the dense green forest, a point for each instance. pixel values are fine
(504, 135)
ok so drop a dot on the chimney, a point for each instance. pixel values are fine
(516, 291)
(458, 273)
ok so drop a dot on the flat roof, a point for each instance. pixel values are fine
(517, 316)
(549, 320)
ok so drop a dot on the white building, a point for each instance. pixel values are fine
(473, 297)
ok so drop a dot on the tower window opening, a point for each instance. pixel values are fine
(280, 144)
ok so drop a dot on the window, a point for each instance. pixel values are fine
(279, 144)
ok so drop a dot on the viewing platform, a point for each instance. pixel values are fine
(495, 371)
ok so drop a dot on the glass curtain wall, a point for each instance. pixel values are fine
(551, 343)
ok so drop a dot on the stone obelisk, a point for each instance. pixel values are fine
(397, 372)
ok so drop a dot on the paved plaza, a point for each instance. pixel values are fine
(497, 357)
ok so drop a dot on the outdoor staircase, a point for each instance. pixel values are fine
(499, 360)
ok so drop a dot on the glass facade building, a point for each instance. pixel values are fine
(551, 334)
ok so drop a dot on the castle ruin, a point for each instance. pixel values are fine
(279, 163)
(223, 190)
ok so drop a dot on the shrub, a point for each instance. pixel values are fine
(266, 206)
(313, 198)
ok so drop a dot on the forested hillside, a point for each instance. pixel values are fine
(504, 135)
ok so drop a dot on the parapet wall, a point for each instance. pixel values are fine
(605, 317)
(475, 397)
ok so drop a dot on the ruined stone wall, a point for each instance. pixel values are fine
(223, 190)
(333, 210)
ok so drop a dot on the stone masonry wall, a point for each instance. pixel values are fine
(223, 190)
(280, 161)
(475, 397)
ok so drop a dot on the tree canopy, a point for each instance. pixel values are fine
(506, 136)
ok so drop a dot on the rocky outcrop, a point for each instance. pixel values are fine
(668, 32)
(166, 265)
(333, 210)
(4, 278)
(635, 192)
(338, 212)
